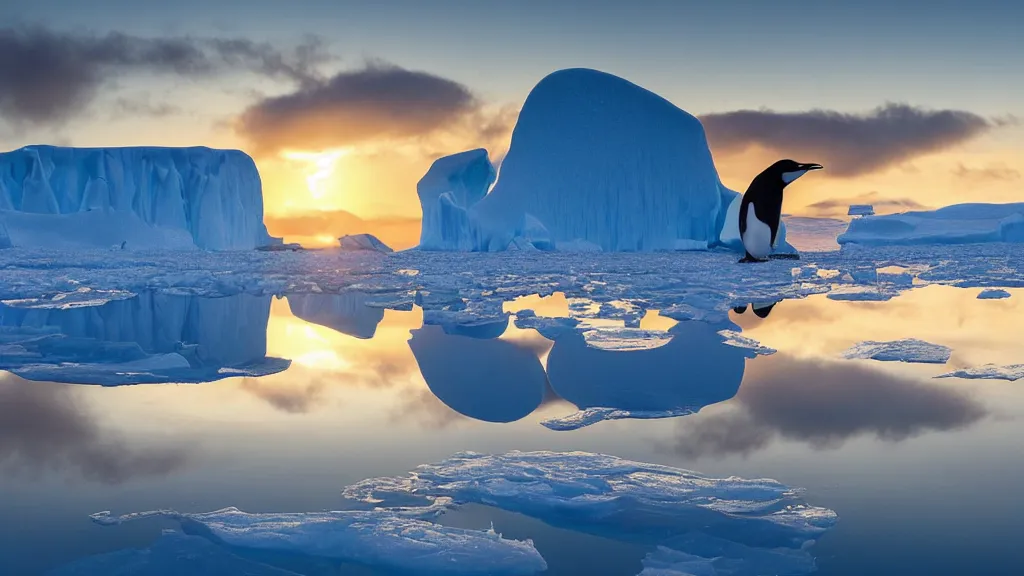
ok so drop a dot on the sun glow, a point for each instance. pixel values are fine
(322, 166)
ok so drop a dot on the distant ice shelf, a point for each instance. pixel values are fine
(363, 243)
(957, 224)
(861, 210)
(907, 350)
(140, 198)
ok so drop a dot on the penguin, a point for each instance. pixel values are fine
(761, 207)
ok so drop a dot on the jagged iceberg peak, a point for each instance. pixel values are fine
(451, 186)
(595, 163)
(142, 197)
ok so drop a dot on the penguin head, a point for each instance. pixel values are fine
(786, 171)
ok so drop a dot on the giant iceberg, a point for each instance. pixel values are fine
(957, 224)
(596, 162)
(140, 197)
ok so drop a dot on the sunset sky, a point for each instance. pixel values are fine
(344, 104)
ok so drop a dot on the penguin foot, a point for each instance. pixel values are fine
(748, 259)
(784, 257)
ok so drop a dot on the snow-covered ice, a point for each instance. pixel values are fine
(596, 162)
(861, 210)
(1012, 372)
(707, 556)
(905, 350)
(396, 539)
(171, 198)
(993, 294)
(957, 224)
(614, 498)
(5, 238)
(364, 242)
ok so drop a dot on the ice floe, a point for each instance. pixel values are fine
(905, 350)
(1012, 372)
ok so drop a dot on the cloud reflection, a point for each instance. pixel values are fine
(42, 428)
(822, 403)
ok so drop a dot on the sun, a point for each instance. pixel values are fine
(321, 166)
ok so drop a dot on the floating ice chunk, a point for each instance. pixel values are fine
(345, 313)
(613, 497)
(861, 210)
(590, 416)
(81, 298)
(906, 350)
(363, 243)
(173, 554)
(397, 539)
(861, 294)
(993, 294)
(1012, 372)
(152, 197)
(550, 328)
(958, 224)
(733, 338)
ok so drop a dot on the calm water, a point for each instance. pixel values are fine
(925, 474)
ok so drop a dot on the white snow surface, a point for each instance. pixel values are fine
(595, 162)
(365, 242)
(1011, 373)
(613, 497)
(957, 224)
(909, 350)
(397, 539)
(170, 198)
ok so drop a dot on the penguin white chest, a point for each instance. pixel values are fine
(757, 238)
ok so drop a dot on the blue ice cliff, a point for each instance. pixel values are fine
(143, 197)
(596, 163)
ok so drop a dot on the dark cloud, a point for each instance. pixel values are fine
(144, 107)
(42, 428)
(46, 76)
(840, 206)
(847, 144)
(988, 173)
(377, 102)
(822, 403)
(286, 397)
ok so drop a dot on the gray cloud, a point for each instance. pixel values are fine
(839, 206)
(286, 397)
(47, 77)
(988, 173)
(822, 403)
(847, 144)
(42, 428)
(144, 107)
(379, 101)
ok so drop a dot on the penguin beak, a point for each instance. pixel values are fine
(811, 167)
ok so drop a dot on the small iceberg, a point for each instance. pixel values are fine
(363, 243)
(906, 350)
(1012, 373)
(395, 539)
(993, 294)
